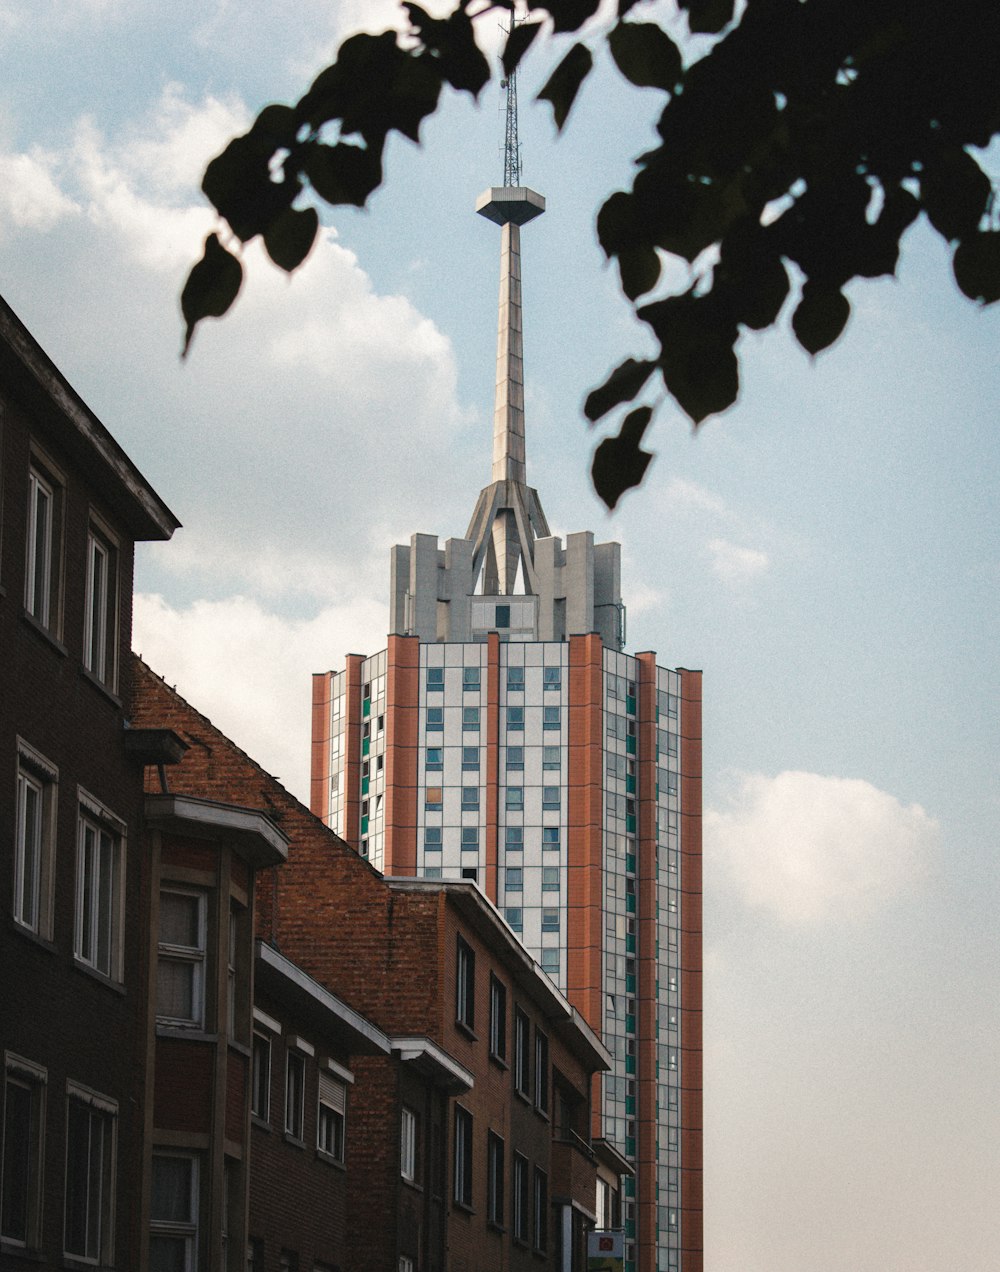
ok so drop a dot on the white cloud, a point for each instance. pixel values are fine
(735, 565)
(30, 197)
(809, 848)
(249, 670)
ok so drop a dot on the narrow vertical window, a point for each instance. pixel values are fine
(522, 1065)
(519, 1200)
(463, 1156)
(495, 1179)
(498, 1019)
(465, 985)
(541, 1072)
(180, 968)
(100, 648)
(90, 1173)
(295, 1083)
(99, 894)
(23, 1133)
(541, 1211)
(408, 1145)
(331, 1121)
(173, 1211)
(39, 584)
(260, 1096)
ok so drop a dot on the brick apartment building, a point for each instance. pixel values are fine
(74, 880)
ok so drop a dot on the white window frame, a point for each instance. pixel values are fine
(24, 1153)
(100, 888)
(100, 633)
(34, 841)
(179, 1230)
(257, 1071)
(295, 1100)
(41, 580)
(191, 956)
(408, 1145)
(331, 1115)
(99, 1202)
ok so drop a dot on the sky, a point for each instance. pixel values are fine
(828, 552)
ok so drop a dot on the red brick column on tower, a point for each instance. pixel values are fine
(402, 736)
(692, 1239)
(492, 764)
(647, 883)
(351, 820)
(585, 843)
(319, 776)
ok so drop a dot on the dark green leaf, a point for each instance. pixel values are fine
(708, 17)
(955, 193)
(622, 385)
(645, 55)
(239, 184)
(619, 462)
(451, 43)
(570, 15)
(640, 269)
(278, 123)
(977, 267)
(564, 82)
(290, 236)
(820, 316)
(211, 287)
(343, 173)
(697, 361)
(518, 43)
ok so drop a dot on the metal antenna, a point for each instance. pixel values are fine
(511, 145)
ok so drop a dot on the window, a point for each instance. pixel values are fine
(433, 797)
(550, 797)
(550, 878)
(514, 838)
(432, 839)
(470, 873)
(90, 1174)
(549, 961)
(408, 1145)
(541, 1072)
(514, 918)
(550, 838)
(435, 719)
(470, 798)
(513, 879)
(498, 1019)
(519, 1199)
(260, 1093)
(522, 1067)
(515, 679)
(435, 759)
(550, 717)
(470, 718)
(34, 837)
(41, 582)
(470, 678)
(173, 1227)
(551, 677)
(470, 759)
(494, 1179)
(331, 1116)
(502, 616)
(180, 965)
(515, 719)
(463, 1157)
(99, 892)
(470, 838)
(515, 757)
(100, 637)
(541, 1225)
(550, 920)
(435, 679)
(515, 799)
(295, 1084)
(465, 984)
(550, 757)
(23, 1134)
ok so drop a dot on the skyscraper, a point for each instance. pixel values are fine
(505, 736)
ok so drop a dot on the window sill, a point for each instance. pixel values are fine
(411, 1183)
(104, 690)
(261, 1123)
(322, 1156)
(462, 1027)
(49, 637)
(100, 977)
(294, 1140)
(36, 938)
(463, 1206)
(189, 1035)
(499, 1061)
(494, 1226)
(240, 1048)
(13, 1248)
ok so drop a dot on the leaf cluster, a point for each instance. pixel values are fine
(792, 158)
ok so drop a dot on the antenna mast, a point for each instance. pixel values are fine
(511, 146)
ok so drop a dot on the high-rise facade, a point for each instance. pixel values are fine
(505, 736)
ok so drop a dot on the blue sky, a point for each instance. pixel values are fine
(828, 552)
